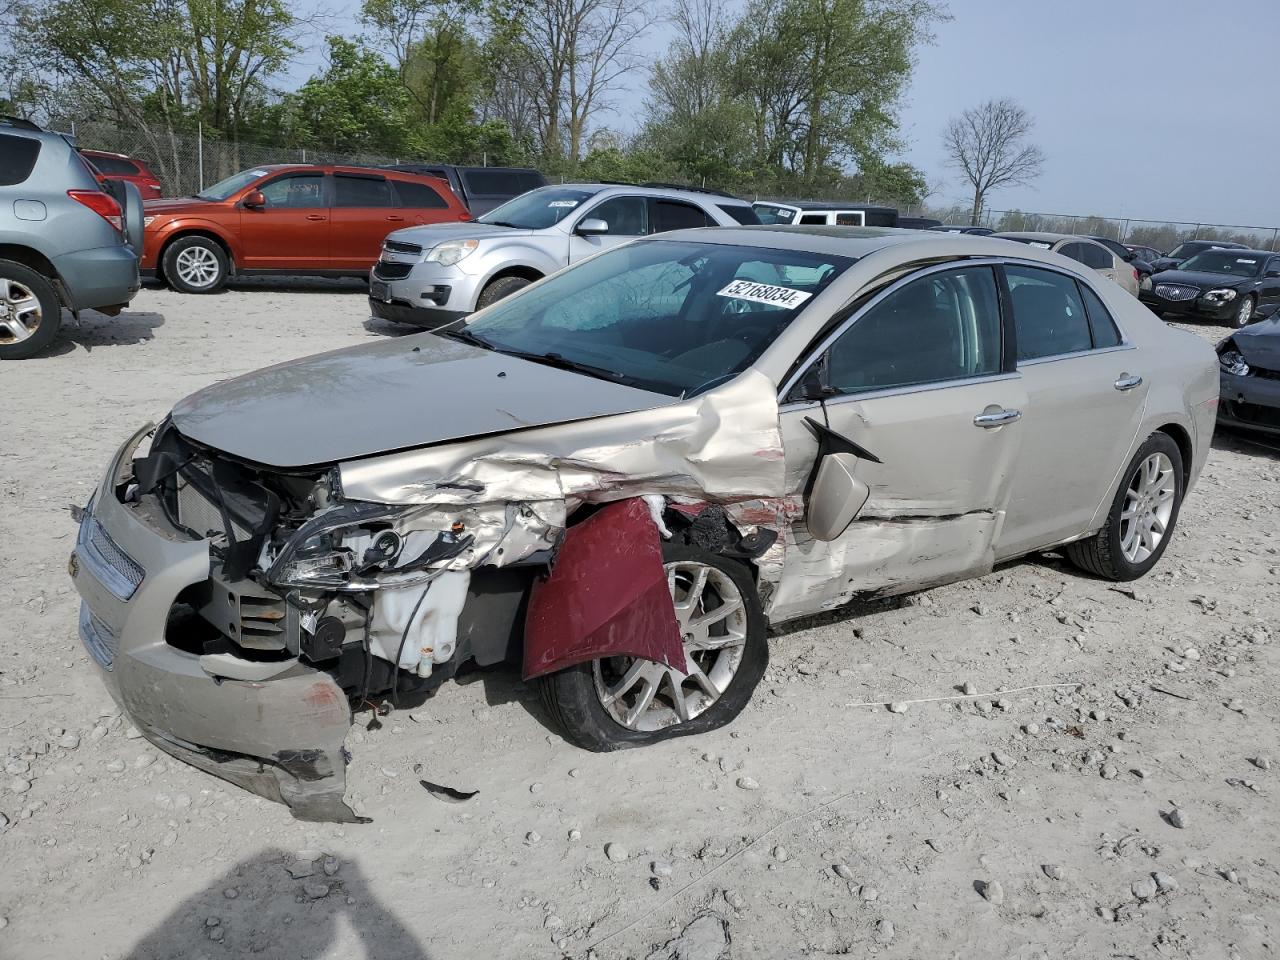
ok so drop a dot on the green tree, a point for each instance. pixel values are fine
(358, 104)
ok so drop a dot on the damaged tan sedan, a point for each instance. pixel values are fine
(619, 478)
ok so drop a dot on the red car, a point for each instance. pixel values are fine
(117, 166)
(293, 219)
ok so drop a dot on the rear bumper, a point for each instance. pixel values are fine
(281, 738)
(102, 277)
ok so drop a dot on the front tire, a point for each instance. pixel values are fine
(620, 702)
(1142, 516)
(30, 313)
(1244, 313)
(196, 265)
(497, 289)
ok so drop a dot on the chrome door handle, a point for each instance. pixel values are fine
(316, 216)
(997, 419)
(1128, 383)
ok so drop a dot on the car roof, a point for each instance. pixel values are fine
(695, 195)
(855, 242)
(825, 205)
(1042, 236)
(1243, 251)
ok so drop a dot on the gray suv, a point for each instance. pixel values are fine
(432, 275)
(64, 238)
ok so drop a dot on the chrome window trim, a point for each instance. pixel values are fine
(1091, 352)
(918, 388)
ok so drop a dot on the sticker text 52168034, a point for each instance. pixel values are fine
(783, 297)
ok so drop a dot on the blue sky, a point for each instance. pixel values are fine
(1145, 109)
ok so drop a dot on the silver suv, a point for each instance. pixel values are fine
(64, 238)
(432, 275)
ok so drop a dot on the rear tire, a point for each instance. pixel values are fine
(1142, 518)
(196, 265)
(30, 313)
(575, 697)
(497, 289)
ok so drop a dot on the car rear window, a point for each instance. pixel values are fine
(113, 166)
(500, 183)
(418, 195)
(740, 212)
(17, 158)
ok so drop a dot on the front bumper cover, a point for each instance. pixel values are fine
(280, 738)
(1249, 403)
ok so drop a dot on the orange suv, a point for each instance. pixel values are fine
(292, 219)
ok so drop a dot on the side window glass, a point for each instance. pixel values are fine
(819, 218)
(673, 215)
(1073, 250)
(626, 216)
(1097, 257)
(295, 193)
(1048, 313)
(361, 192)
(418, 196)
(945, 326)
(849, 219)
(1105, 333)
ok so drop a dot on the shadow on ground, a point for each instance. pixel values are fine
(95, 330)
(256, 908)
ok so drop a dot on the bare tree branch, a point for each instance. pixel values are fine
(988, 144)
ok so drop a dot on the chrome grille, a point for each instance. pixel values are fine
(111, 566)
(197, 512)
(399, 246)
(385, 270)
(99, 639)
(1176, 291)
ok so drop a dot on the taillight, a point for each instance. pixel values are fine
(104, 205)
(1137, 278)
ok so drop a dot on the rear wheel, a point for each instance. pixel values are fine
(619, 702)
(1142, 517)
(30, 314)
(497, 289)
(195, 265)
(1244, 312)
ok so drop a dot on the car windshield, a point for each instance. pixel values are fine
(768, 213)
(675, 317)
(1226, 262)
(225, 188)
(538, 209)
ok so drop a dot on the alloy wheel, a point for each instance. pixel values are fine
(646, 695)
(197, 266)
(1148, 507)
(20, 311)
(1244, 313)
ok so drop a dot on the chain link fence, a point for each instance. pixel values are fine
(186, 163)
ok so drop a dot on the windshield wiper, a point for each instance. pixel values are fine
(466, 336)
(499, 223)
(560, 361)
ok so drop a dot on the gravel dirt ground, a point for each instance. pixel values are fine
(1110, 789)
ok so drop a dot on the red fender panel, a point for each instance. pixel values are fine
(607, 596)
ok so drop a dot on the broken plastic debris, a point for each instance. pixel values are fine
(448, 794)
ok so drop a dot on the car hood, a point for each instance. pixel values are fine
(1206, 280)
(391, 395)
(1259, 343)
(431, 234)
(177, 205)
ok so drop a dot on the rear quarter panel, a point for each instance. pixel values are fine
(1181, 370)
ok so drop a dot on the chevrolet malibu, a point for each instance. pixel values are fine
(620, 478)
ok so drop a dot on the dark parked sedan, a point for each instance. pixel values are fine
(1225, 285)
(1249, 378)
(1188, 249)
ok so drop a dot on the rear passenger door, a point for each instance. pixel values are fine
(364, 212)
(627, 217)
(1085, 399)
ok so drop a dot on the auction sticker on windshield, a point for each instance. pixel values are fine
(563, 203)
(764, 293)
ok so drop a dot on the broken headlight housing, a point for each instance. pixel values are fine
(365, 546)
(1233, 362)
